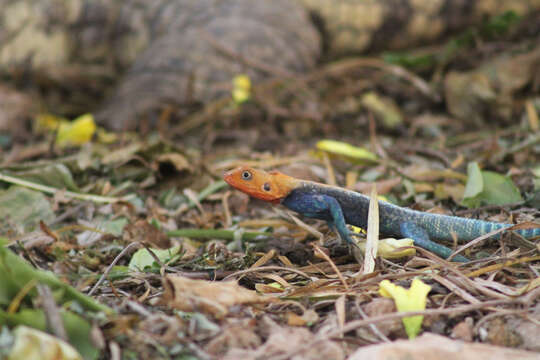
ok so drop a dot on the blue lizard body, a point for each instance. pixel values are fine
(340, 207)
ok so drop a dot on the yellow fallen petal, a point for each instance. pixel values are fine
(241, 89)
(105, 137)
(48, 122)
(78, 132)
(357, 229)
(391, 248)
(413, 299)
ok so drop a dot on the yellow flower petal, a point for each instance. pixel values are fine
(391, 248)
(357, 229)
(413, 299)
(241, 89)
(105, 137)
(48, 122)
(77, 132)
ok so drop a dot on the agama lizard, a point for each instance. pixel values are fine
(338, 207)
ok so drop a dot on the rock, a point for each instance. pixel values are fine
(435, 347)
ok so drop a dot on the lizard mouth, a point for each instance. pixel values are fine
(232, 180)
(228, 177)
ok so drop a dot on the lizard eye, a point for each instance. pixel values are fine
(246, 175)
(266, 187)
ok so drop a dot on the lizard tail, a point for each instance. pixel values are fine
(529, 233)
(469, 229)
(444, 227)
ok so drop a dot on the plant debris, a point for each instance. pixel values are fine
(145, 252)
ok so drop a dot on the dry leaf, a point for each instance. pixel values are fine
(309, 317)
(295, 320)
(340, 312)
(179, 161)
(285, 340)
(463, 330)
(206, 296)
(436, 347)
(382, 306)
(235, 333)
(143, 231)
(372, 238)
(32, 344)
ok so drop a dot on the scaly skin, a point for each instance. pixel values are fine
(339, 207)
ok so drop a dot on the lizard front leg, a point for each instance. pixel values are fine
(322, 207)
(337, 220)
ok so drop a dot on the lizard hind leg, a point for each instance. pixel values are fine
(421, 239)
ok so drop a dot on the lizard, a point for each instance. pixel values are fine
(338, 207)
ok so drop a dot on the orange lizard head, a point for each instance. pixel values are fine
(270, 186)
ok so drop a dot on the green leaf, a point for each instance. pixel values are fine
(536, 185)
(114, 227)
(15, 273)
(24, 208)
(5, 140)
(501, 24)
(411, 61)
(488, 188)
(77, 328)
(475, 182)
(118, 272)
(142, 258)
(384, 108)
(347, 150)
(55, 175)
(536, 171)
(499, 189)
